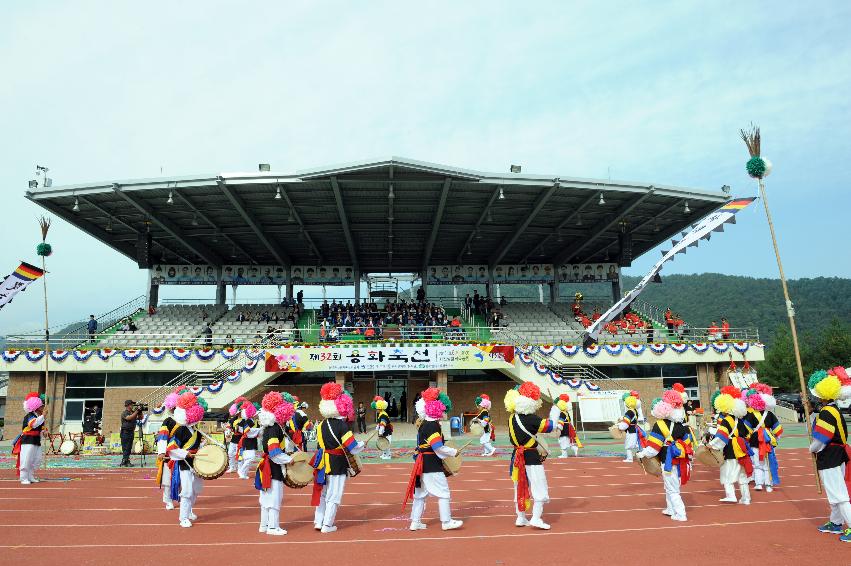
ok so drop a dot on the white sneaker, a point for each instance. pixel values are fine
(185, 523)
(25, 482)
(539, 524)
(728, 500)
(758, 487)
(169, 506)
(681, 518)
(521, 522)
(278, 532)
(229, 471)
(452, 524)
(744, 501)
(627, 461)
(418, 526)
(668, 512)
(193, 516)
(262, 528)
(242, 477)
(330, 529)
(35, 480)
(769, 489)
(317, 527)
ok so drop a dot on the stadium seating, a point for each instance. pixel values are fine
(537, 323)
(245, 331)
(170, 324)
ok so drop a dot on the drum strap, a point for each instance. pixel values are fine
(529, 443)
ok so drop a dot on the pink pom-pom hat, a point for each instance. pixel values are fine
(434, 409)
(271, 400)
(345, 407)
(187, 400)
(662, 409)
(194, 414)
(283, 413)
(249, 409)
(673, 398)
(170, 401)
(32, 402)
(755, 401)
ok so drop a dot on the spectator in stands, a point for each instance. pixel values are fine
(300, 297)
(240, 316)
(131, 326)
(333, 334)
(229, 341)
(92, 327)
(725, 329)
(125, 326)
(421, 295)
(468, 304)
(714, 331)
(669, 319)
(477, 302)
(369, 333)
(152, 310)
(503, 301)
(204, 315)
(208, 335)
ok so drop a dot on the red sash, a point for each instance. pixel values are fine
(416, 472)
(571, 433)
(745, 461)
(16, 448)
(523, 491)
(493, 432)
(265, 469)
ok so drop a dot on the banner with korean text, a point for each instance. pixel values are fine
(392, 358)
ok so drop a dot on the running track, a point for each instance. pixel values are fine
(602, 511)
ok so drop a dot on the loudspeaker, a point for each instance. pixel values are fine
(625, 243)
(143, 251)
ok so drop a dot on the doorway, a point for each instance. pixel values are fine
(394, 389)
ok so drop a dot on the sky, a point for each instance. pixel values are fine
(642, 91)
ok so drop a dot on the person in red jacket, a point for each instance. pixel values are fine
(725, 329)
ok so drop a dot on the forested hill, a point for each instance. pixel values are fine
(747, 301)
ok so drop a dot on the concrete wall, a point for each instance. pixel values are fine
(21, 383)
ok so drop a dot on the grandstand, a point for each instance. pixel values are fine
(363, 227)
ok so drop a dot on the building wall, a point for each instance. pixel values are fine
(21, 383)
(463, 396)
(113, 405)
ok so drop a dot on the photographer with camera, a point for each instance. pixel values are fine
(132, 413)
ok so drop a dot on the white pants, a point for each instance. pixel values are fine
(191, 487)
(564, 443)
(761, 471)
(630, 444)
(485, 440)
(332, 495)
(245, 463)
(31, 455)
(231, 457)
(538, 487)
(166, 483)
(833, 480)
(434, 484)
(270, 505)
(732, 472)
(673, 500)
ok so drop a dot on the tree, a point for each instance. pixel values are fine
(779, 368)
(832, 347)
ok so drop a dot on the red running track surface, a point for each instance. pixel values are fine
(602, 511)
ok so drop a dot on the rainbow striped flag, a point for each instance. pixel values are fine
(17, 281)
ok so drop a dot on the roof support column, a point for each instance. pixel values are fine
(356, 276)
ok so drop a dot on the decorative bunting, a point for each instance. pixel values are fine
(592, 350)
(636, 349)
(155, 354)
(741, 347)
(229, 353)
(83, 355)
(679, 348)
(106, 353)
(131, 355)
(34, 355)
(233, 376)
(700, 347)
(158, 410)
(592, 386)
(574, 383)
(657, 348)
(59, 355)
(720, 347)
(216, 386)
(205, 354)
(569, 350)
(180, 354)
(254, 353)
(614, 349)
(540, 368)
(11, 355)
(524, 357)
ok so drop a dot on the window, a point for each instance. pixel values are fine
(139, 379)
(74, 410)
(85, 380)
(462, 376)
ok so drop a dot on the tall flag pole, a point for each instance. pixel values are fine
(759, 168)
(44, 249)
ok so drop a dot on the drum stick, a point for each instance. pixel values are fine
(368, 438)
(211, 439)
(465, 446)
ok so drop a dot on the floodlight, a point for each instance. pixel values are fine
(76, 207)
(515, 168)
(686, 209)
(170, 199)
(278, 193)
(501, 194)
(602, 200)
(109, 225)
(264, 167)
(33, 184)
(726, 189)
(195, 219)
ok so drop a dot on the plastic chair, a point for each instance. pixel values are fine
(455, 424)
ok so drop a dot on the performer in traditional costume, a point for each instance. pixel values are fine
(527, 470)
(670, 440)
(27, 446)
(732, 437)
(301, 422)
(184, 443)
(766, 429)
(560, 414)
(246, 448)
(334, 441)
(483, 402)
(382, 424)
(830, 445)
(231, 431)
(629, 424)
(274, 414)
(167, 428)
(427, 477)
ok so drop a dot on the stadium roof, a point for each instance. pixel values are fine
(380, 215)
